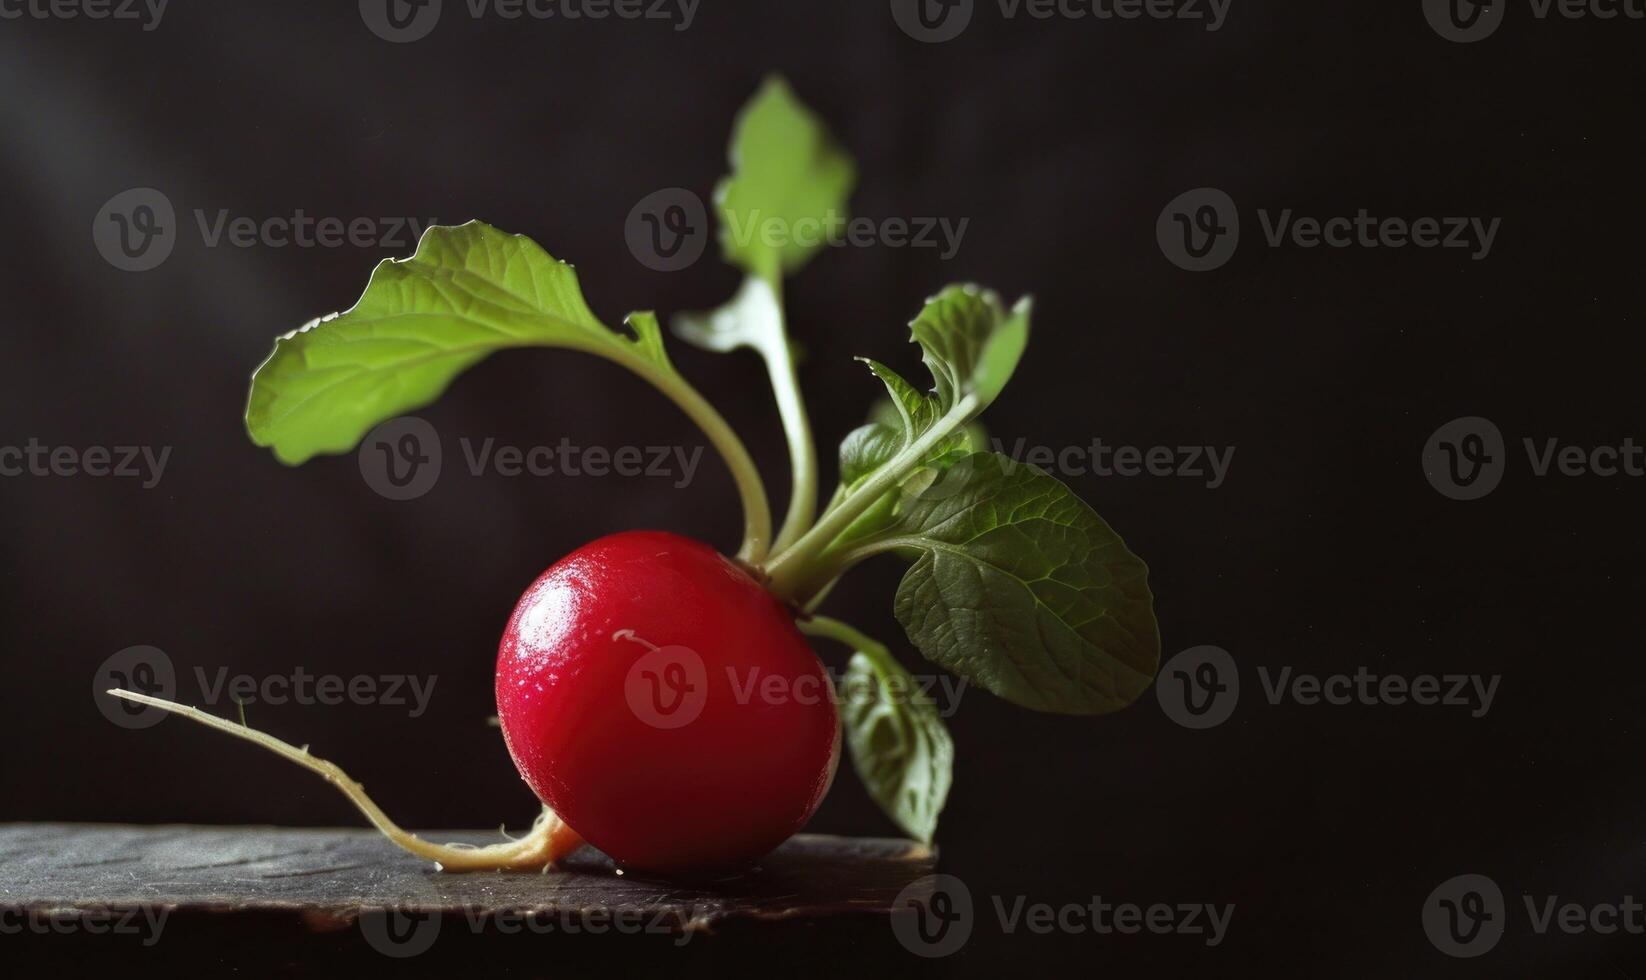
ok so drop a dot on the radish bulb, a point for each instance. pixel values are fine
(658, 699)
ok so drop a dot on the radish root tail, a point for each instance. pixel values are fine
(549, 840)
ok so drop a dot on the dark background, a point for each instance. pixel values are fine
(1061, 142)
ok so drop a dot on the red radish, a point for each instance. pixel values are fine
(660, 701)
(658, 697)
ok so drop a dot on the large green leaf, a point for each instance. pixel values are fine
(788, 176)
(467, 291)
(1022, 588)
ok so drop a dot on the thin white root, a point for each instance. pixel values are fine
(548, 842)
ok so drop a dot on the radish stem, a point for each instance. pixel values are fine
(792, 573)
(549, 840)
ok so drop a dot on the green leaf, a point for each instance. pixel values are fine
(898, 743)
(866, 449)
(977, 436)
(871, 446)
(467, 291)
(896, 738)
(915, 410)
(971, 345)
(788, 176)
(1023, 589)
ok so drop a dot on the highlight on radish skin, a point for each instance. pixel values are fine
(549, 840)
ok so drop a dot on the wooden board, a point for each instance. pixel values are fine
(232, 881)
